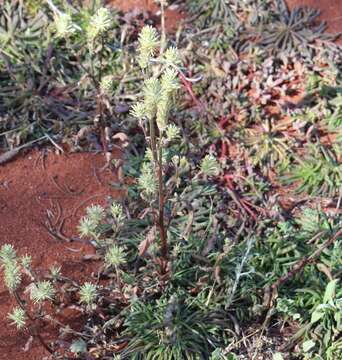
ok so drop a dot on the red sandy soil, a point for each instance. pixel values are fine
(27, 192)
(331, 12)
(173, 15)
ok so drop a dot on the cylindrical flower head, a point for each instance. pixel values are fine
(7, 253)
(151, 96)
(12, 275)
(163, 108)
(147, 179)
(64, 26)
(107, 84)
(148, 43)
(99, 23)
(139, 110)
(171, 56)
(169, 82)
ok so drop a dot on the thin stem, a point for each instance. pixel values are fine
(153, 144)
(157, 154)
(163, 34)
(21, 305)
(43, 343)
(154, 155)
(35, 333)
(101, 60)
(163, 236)
(66, 328)
(118, 279)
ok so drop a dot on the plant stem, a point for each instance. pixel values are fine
(21, 305)
(43, 343)
(157, 153)
(32, 333)
(163, 236)
(163, 34)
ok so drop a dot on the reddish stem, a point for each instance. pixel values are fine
(188, 86)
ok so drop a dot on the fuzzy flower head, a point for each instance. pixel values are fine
(184, 163)
(7, 253)
(163, 109)
(117, 212)
(168, 86)
(107, 84)
(172, 132)
(115, 256)
(88, 294)
(12, 275)
(55, 272)
(149, 157)
(95, 213)
(181, 163)
(64, 25)
(169, 82)
(171, 56)
(100, 22)
(139, 110)
(87, 227)
(147, 180)
(42, 291)
(17, 317)
(148, 43)
(210, 166)
(151, 92)
(26, 261)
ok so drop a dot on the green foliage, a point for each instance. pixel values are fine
(319, 173)
(269, 146)
(326, 324)
(172, 330)
(210, 166)
(55, 50)
(293, 29)
(216, 11)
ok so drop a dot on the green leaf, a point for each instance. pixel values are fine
(330, 291)
(231, 356)
(278, 356)
(316, 315)
(308, 345)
